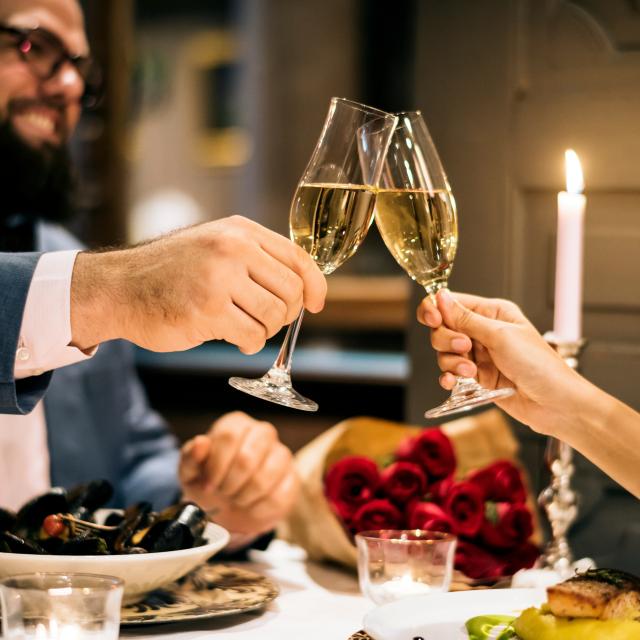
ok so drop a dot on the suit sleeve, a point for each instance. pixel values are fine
(151, 454)
(16, 272)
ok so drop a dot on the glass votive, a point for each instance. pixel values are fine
(394, 564)
(61, 606)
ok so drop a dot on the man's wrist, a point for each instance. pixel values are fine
(97, 297)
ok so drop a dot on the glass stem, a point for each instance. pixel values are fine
(463, 385)
(285, 355)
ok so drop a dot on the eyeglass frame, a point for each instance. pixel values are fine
(85, 66)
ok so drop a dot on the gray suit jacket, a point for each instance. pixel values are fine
(99, 421)
(16, 271)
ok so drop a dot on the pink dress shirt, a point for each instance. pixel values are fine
(43, 345)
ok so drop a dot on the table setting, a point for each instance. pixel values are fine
(400, 532)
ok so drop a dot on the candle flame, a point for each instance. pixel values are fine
(575, 180)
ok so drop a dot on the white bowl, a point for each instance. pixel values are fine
(141, 572)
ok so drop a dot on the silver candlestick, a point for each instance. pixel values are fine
(559, 500)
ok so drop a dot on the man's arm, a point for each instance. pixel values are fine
(16, 273)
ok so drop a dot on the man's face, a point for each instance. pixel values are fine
(42, 112)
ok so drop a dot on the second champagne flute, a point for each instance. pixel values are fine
(331, 212)
(417, 218)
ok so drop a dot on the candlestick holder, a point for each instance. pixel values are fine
(559, 500)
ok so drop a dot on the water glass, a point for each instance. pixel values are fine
(394, 564)
(61, 606)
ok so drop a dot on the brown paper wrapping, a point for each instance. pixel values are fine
(477, 440)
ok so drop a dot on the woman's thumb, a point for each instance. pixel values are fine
(459, 318)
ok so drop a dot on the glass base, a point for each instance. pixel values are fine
(274, 386)
(467, 395)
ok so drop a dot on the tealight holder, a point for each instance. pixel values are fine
(559, 500)
(61, 606)
(394, 564)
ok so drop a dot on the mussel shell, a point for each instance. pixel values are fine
(135, 517)
(84, 546)
(29, 518)
(85, 499)
(8, 520)
(177, 527)
(16, 544)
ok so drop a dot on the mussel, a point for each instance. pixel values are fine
(177, 527)
(30, 517)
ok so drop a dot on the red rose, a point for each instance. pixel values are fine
(507, 525)
(377, 514)
(523, 556)
(433, 451)
(402, 481)
(404, 450)
(438, 490)
(500, 482)
(478, 563)
(465, 505)
(428, 515)
(349, 483)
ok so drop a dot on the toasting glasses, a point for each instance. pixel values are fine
(330, 215)
(416, 215)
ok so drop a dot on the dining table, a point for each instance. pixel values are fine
(315, 602)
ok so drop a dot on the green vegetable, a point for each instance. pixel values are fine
(491, 627)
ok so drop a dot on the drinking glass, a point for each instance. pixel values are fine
(394, 564)
(331, 212)
(61, 606)
(416, 215)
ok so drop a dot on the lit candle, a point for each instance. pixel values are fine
(567, 319)
(401, 588)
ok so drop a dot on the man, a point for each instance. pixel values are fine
(230, 279)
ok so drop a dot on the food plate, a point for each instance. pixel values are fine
(442, 617)
(141, 572)
(210, 591)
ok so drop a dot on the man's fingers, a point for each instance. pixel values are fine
(249, 460)
(274, 468)
(262, 305)
(193, 454)
(242, 329)
(289, 254)
(227, 436)
(284, 283)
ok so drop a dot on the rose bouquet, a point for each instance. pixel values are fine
(462, 478)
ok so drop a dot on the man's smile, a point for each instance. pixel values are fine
(37, 123)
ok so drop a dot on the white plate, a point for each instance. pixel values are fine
(442, 617)
(141, 573)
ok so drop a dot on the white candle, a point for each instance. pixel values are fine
(399, 588)
(567, 318)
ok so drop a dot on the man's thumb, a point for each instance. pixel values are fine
(459, 318)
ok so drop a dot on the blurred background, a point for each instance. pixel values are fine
(213, 107)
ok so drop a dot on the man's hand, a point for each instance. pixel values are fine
(241, 472)
(231, 280)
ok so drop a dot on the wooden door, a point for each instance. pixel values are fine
(506, 86)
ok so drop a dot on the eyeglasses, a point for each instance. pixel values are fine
(45, 54)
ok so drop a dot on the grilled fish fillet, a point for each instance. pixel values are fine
(606, 594)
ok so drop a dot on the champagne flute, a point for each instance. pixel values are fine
(331, 212)
(416, 215)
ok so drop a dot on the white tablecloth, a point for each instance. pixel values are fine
(316, 602)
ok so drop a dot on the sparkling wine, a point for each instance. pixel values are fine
(420, 230)
(329, 221)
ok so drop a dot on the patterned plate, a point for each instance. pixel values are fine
(211, 590)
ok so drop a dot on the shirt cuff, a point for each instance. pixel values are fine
(46, 324)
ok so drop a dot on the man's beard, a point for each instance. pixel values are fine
(38, 183)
